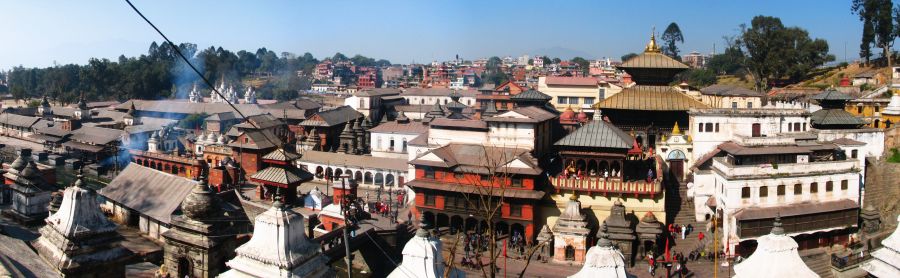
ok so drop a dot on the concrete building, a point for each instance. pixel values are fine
(730, 96)
(577, 92)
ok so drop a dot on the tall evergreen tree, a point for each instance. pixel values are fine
(672, 36)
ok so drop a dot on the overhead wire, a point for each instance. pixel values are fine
(205, 80)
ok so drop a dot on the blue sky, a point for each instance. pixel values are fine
(39, 33)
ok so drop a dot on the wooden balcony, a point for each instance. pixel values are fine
(607, 186)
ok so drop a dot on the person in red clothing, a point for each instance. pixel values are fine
(700, 236)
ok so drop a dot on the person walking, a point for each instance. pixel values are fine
(700, 236)
(683, 231)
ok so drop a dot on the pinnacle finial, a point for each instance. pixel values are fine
(651, 46)
(604, 236)
(777, 229)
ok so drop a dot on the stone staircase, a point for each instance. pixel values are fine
(682, 208)
(818, 260)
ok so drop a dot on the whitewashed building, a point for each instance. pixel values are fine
(391, 139)
(368, 171)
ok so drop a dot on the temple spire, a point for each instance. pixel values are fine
(676, 130)
(651, 46)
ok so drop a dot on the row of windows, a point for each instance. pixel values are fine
(797, 189)
(859, 109)
(460, 202)
(735, 104)
(795, 127)
(708, 127)
(430, 173)
(574, 100)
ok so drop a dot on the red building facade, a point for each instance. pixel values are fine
(177, 165)
(450, 181)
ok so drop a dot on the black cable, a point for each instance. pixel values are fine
(186, 60)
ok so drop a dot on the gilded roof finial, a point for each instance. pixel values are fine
(676, 130)
(651, 46)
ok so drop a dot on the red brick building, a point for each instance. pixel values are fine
(281, 172)
(449, 178)
(177, 165)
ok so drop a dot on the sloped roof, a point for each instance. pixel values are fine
(282, 175)
(183, 107)
(650, 98)
(153, 193)
(348, 160)
(262, 121)
(377, 92)
(437, 92)
(281, 155)
(531, 95)
(535, 115)
(847, 142)
(729, 90)
(571, 81)
(831, 95)
(653, 60)
(411, 127)
(18, 120)
(597, 134)
(834, 117)
(476, 158)
(95, 135)
(333, 117)
(735, 149)
(262, 139)
(459, 123)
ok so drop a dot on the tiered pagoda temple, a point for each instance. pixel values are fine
(650, 107)
(280, 173)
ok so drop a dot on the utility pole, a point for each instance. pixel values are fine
(345, 208)
(715, 244)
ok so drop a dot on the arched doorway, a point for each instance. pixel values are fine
(570, 253)
(676, 163)
(368, 178)
(502, 228)
(320, 172)
(379, 179)
(429, 218)
(358, 176)
(518, 230)
(442, 221)
(471, 224)
(328, 173)
(389, 180)
(184, 267)
(456, 223)
(338, 173)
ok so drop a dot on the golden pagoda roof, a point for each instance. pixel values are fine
(650, 98)
(653, 58)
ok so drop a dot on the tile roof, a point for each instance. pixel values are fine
(18, 120)
(412, 127)
(831, 95)
(183, 107)
(262, 121)
(735, 149)
(377, 92)
(472, 158)
(531, 95)
(535, 115)
(794, 209)
(834, 117)
(153, 193)
(847, 142)
(282, 175)
(653, 60)
(459, 123)
(650, 98)
(437, 92)
(261, 139)
(96, 135)
(359, 161)
(333, 117)
(597, 134)
(281, 155)
(571, 81)
(729, 90)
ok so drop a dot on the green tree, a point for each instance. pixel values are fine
(628, 56)
(583, 64)
(698, 77)
(546, 60)
(672, 36)
(777, 52)
(728, 62)
(339, 57)
(557, 60)
(193, 121)
(878, 25)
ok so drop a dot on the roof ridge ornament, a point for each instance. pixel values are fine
(652, 47)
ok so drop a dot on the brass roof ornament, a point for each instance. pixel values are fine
(651, 46)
